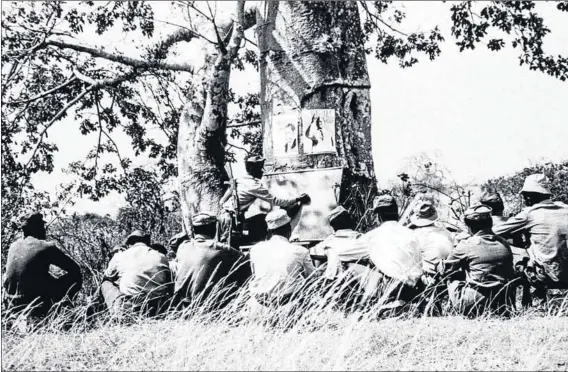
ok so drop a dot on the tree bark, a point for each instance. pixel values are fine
(201, 136)
(312, 57)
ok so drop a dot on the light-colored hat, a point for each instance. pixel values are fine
(203, 218)
(490, 196)
(384, 201)
(337, 212)
(478, 212)
(277, 218)
(425, 214)
(255, 159)
(538, 183)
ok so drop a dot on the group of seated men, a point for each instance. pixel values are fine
(396, 261)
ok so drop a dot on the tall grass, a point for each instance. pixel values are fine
(315, 335)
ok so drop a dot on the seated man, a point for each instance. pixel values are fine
(138, 279)
(342, 246)
(395, 253)
(248, 189)
(280, 268)
(435, 243)
(485, 264)
(28, 280)
(546, 225)
(493, 200)
(206, 268)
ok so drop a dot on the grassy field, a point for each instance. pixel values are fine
(322, 340)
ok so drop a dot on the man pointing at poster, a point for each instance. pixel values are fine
(236, 202)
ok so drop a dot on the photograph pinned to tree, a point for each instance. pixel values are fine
(319, 131)
(285, 133)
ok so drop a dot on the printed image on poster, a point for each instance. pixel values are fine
(285, 133)
(318, 131)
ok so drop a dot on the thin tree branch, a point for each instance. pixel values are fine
(249, 123)
(43, 94)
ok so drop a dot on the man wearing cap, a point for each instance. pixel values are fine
(248, 189)
(480, 267)
(546, 224)
(28, 280)
(137, 279)
(395, 253)
(342, 246)
(280, 268)
(208, 268)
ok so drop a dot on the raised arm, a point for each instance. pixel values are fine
(513, 225)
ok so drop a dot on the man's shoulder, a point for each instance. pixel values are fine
(33, 243)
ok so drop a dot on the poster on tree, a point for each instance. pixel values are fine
(318, 132)
(285, 133)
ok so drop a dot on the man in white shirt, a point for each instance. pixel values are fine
(436, 243)
(280, 269)
(395, 253)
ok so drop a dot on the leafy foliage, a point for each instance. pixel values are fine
(510, 186)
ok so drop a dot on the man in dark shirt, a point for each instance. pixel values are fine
(208, 271)
(486, 264)
(28, 280)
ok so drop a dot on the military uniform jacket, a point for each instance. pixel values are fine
(202, 263)
(486, 259)
(546, 223)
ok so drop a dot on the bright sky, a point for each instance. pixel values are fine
(482, 112)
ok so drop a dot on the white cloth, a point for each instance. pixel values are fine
(279, 267)
(140, 270)
(436, 244)
(342, 246)
(395, 252)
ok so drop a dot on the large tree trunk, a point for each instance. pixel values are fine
(312, 57)
(201, 137)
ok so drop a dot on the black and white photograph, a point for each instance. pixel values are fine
(284, 185)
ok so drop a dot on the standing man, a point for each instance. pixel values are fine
(280, 268)
(207, 268)
(481, 267)
(248, 189)
(138, 279)
(546, 224)
(28, 280)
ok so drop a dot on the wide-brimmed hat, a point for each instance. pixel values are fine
(255, 159)
(537, 183)
(478, 212)
(384, 201)
(203, 218)
(277, 218)
(490, 196)
(425, 214)
(137, 235)
(336, 213)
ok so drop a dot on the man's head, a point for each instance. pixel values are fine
(340, 219)
(493, 200)
(32, 224)
(478, 217)
(160, 248)
(385, 208)
(278, 223)
(137, 236)
(536, 189)
(425, 214)
(204, 223)
(254, 166)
